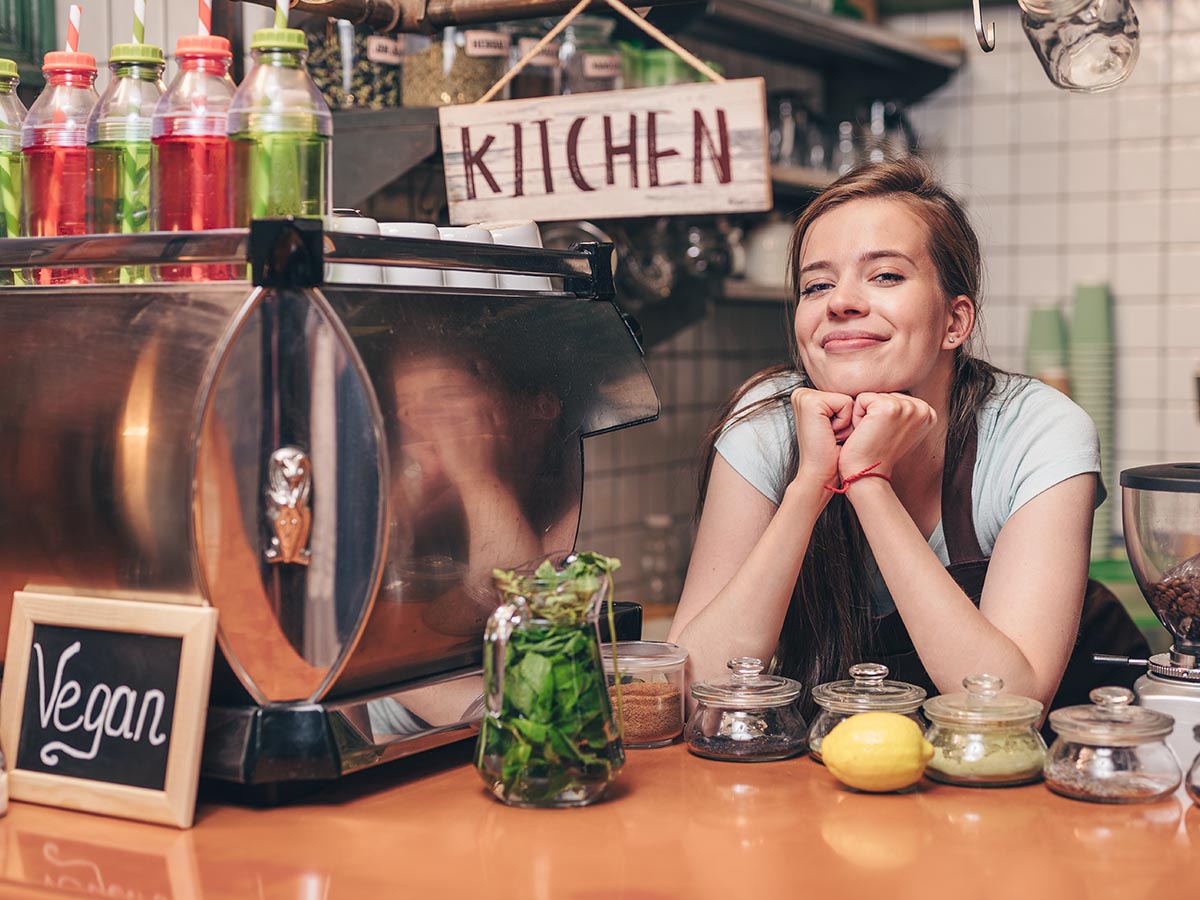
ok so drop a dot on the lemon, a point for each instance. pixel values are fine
(876, 751)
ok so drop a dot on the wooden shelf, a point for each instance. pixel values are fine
(873, 60)
(736, 290)
(799, 179)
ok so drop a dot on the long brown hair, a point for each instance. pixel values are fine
(829, 624)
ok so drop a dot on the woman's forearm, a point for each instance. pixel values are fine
(746, 615)
(952, 637)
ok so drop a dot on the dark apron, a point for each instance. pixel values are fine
(1104, 627)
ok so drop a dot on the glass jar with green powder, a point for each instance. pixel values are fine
(984, 738)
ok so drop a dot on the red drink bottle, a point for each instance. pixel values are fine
(54, 142)
(190, 158)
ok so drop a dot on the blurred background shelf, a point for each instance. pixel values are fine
(737, 290)
(800, 180)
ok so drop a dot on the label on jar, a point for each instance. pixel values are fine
(601, 65)
(547, 57)
(480, 44)
(385, 50)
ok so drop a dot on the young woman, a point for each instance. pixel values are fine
(890, 496)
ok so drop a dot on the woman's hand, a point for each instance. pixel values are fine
(884, 428)
(823, 422)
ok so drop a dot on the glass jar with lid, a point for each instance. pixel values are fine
(649, 698)
(984, 738)
(749, 717)
(542, 75)
(867, 690)
(591, 60)
(1193, 776)
(1111, 751)
(458, 66)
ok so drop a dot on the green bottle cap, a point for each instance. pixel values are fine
(8, 69)
(278, 39)
(146, 54)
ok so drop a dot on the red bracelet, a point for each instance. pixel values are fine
(865, 473)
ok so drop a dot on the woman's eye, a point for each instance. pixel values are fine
(815, 287)
(889, 277)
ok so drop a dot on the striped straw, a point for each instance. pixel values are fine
(139, 21)
(73, 28)
(281, 13)
(206, 16)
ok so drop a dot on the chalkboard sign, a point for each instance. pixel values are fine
(98, 705)
(105, 707)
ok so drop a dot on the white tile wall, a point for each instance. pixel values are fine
(1065, 188)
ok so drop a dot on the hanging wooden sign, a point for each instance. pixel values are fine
(690, 148)
(103, 704)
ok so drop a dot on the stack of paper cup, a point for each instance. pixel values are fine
(405, 274)
(462, 278)
(350, 273)
(518, 234)
(1046, 347)
(1091, 369)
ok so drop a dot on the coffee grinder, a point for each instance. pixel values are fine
(1161, 517)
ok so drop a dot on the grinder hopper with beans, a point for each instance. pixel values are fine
(1160, 508)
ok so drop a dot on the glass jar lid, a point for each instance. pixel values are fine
(868, 690)
(1112, 719)
(983, 705)
(635, 657)
(747, 688)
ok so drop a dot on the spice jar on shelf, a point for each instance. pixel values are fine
(458, 66)
(1111, 751)
(749, 717)
(542, 75)
(984, 738)
(648, 696)
(591, 61)
(354, 67)
(867, 690)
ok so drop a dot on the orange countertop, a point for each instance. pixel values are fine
(674, 825)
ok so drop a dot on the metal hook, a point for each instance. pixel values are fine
(987, 37)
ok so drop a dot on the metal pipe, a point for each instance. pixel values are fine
(426, 16)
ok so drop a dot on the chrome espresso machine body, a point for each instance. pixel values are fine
(337, 469)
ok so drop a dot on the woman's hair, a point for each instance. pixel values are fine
(829, 624)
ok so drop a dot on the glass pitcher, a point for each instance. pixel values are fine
(548, 735)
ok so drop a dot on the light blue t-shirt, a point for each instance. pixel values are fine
(1030, 438)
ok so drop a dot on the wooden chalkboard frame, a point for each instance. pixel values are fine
(196, 627)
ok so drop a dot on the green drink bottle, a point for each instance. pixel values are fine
(281, 131)
(119, 150)
(12, 116)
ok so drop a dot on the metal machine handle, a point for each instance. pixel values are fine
(1108, 659)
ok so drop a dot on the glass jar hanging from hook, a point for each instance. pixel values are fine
(1084, 45)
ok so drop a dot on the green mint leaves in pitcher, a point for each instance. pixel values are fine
(548, 736)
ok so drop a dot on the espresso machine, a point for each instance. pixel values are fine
(1160, 508)
(336, 468)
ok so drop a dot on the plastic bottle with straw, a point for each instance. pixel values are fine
(54, 144)
(281, 131)
(119, 149)
(190, 159)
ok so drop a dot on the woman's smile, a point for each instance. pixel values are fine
(849, 340)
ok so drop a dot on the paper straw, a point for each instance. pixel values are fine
(8, 195)
(139, 21)
(206, 16)
(73, 29)
(281, 13)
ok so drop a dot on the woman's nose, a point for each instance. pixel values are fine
(847, 300)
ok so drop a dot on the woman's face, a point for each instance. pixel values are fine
(871, 315)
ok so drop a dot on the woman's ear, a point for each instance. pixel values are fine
(961, 324)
